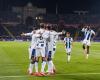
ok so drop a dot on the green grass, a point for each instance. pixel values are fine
(14, 62)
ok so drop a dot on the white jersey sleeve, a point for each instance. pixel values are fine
(92, 32)
(29, 34)
(83, 30)
(55, 33)
(59, 33)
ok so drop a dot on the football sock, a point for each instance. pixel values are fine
(50, 66)
(43, 66)
(36, 66)
(68, 57)
(31, 68)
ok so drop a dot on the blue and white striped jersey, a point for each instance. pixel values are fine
(68, 41)
(87, 33)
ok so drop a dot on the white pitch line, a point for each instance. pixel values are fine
(73, 74)
(13, 76)
(79, 74)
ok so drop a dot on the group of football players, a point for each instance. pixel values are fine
(43, 46)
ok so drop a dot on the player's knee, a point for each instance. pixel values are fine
(43, 59)
(49, 59)
(68, 53)
(36, 60)
(33, 61)
(32, 57)
(87, 49)
(83, 46)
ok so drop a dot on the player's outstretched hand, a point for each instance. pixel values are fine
(23, 34)
(63, 31)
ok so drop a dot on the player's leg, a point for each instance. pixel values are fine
(84, 48)
(88, 47)
(54, 69)
(50, 63)
(31, 65)
(43, 64)
(36, 64)
(68, 57)
(54, 50)
(68, 54)
(87, 52)
(36, 67)
(43, 61)
(37, 60)
(49, 59)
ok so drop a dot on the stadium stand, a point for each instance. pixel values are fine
(69, 22)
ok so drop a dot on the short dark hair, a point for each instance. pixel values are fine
(67, 32)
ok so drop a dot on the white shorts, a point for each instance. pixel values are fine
(40, 52)
(32, 52)
(86, 42)
(68, 50)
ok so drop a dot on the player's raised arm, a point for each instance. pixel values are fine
(57, 33)
(22, 34)
(27, 34)
(60, 33)
(93, 32)
(83, 29)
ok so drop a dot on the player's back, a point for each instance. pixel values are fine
(34, 40)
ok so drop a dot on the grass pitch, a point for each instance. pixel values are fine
(14, 62)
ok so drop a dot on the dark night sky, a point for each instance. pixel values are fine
(64, 6)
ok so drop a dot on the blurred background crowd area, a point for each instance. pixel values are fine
(23, 19)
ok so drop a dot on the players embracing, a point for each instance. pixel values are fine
(42, 47)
